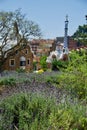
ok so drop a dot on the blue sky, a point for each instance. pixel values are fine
(50, 14)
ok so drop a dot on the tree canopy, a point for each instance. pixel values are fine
(81, 35)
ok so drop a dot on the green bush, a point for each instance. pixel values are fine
(74, 79)
(8, 81)
(27, 112)
(34, 112)
(43, 62)
(1, 82)
(69, 117)
(59, 65)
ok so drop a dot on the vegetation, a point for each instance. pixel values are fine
(20, 70)
(81, 35)
(59, 64)
(8, 81)
(74, 77)
(36, 111)
(43, 62)
(33, 112)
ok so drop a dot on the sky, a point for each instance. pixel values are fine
(50, 14)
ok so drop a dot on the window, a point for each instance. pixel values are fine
(12, 62)
(22, 61)
(28, 61)
(26, 51)
(16, 51)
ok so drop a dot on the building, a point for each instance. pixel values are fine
(72, 44)
(42, 47)
(19, 56)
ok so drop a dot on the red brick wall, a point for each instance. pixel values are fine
(72, 44)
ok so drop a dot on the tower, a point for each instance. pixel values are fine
(86, 18)
(66, 33)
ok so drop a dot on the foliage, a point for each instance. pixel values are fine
(52, 79)
(8, 81)
(34, 65)
(75, 76)
(69, 117)
(81, 35)
(28, 112)
(59, 64)
(21, 70)
(43, 62)
(36, 112)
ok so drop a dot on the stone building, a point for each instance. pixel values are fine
(19, 56)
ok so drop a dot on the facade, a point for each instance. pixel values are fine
(20, 56)
(34, 44)
(72, 44)
(42, 46)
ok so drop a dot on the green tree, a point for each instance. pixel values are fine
(14, 27)
(43, 62)
(81, 35)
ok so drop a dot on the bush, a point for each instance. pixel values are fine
(74, 79)
(59, 65)
(28, 112)
(34, 112)
(69, 117)
(8, 81)
(43, 62)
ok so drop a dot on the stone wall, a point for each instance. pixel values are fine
(15, 55)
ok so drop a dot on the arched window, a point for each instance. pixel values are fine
(22, 61)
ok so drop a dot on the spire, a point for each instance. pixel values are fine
(86, 18)
(66, 33)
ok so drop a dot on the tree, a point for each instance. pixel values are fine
(43, 62)
(14, 27)
(81, 35)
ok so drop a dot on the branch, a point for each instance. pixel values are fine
(15, 127)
